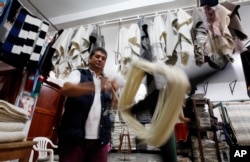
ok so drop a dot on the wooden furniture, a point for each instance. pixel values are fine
(205, 122)
(125, 139)
(10, 81)
(47, 114)
(16, 150)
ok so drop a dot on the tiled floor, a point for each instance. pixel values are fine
(133, 157)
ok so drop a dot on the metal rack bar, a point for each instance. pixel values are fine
(133, 17)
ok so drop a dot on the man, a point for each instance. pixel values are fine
(86, 126)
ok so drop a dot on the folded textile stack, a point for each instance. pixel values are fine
(12, 122)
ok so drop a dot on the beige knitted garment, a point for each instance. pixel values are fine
(169, 104)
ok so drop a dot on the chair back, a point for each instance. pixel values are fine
(43, 147)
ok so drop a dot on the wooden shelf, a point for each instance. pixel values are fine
(200, 130)
(16, 150)
(10, 81)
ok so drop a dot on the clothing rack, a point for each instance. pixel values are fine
(135, 17)
(153, 14)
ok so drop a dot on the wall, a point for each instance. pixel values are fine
(218, 84)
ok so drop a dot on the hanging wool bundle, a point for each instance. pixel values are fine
(169, 104)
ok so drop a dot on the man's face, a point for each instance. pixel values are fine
(97, 61)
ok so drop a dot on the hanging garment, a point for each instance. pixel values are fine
(199, 38)
(76, 45)
(29, 31)
(222, 43)
(225, 43)
(172, 38)
(121, 43)
(18, 48)
(128, 47)
(13, 44)
(60, 57)
(85, 45)
(134, 40)
(93, 38)
(96, 39)
(146, 53)
(122, 49)
(184, 25)
(87, 31)
(172, 34)
(101, 41)
(157, 38)
(145, 49)
(39, 47)
(37, 30)
(235, 27)
(45, 63)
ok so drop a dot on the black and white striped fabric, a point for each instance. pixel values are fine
(23, 45)
(30, 29)
(13, 43)
(38, 47)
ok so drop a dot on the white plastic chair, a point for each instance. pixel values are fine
(44, 147)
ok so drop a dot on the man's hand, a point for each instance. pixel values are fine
(106, 84)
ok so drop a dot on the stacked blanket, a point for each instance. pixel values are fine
(12, 122)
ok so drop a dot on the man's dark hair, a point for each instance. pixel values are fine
(98, 49)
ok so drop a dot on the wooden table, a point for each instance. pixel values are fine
(16, 150)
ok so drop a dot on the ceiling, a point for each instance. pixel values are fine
(63, 14)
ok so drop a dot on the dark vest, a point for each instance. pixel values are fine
(72, 129)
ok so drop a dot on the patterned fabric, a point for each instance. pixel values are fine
(221, 42)
(171, 38)
(39, 46)
(213, 20)
(199, 36)
(184, 25)
(239, 119)
(13, 43)
(23, 45)
(235, 26)
(60, 56)
(29, 30)
(172, 33)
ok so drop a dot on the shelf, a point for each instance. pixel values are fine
(203, 112)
